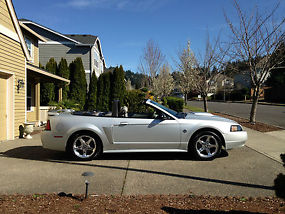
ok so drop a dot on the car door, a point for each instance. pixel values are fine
(146, 133)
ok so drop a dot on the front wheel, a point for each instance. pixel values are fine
(84, 146)
(206, 145)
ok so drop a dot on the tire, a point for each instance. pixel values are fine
(206, 145)
(84, 146)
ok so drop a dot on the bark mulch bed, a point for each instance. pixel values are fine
(52, 203)
(258, 126)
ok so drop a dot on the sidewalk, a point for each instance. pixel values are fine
(271, 144)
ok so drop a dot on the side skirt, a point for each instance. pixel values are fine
(144, 150)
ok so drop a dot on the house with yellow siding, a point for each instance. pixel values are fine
(20, 75)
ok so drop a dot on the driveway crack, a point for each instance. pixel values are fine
(125, 178)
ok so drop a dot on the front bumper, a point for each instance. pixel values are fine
(235, 139)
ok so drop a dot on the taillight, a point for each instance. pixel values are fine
(48, 128)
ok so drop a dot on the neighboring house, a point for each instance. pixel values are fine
(242, 81)
(69, 46)
(20, 75)
(221, 83)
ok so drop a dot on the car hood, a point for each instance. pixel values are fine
(207, 116)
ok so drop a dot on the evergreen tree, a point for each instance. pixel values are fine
(106, 102)
(63, 71)
(100, 92)
(47, 89)
(118, 85)
(78, 85)
(92, 93)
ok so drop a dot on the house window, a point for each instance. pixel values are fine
(102, 68)
(29, 45)
(29, 97)
(96, 59)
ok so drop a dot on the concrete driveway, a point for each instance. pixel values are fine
(27, 168)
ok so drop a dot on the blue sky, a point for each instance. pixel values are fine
(124, 26)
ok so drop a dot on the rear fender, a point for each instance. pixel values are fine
(87, 127)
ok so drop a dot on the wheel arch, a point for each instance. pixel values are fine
(207, 129)
(83, 131)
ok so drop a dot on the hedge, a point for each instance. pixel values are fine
(134, 100)
(175, 103)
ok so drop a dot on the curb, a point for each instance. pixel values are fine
(247, 119)
(249, 102)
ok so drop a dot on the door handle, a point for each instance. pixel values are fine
(123, 123)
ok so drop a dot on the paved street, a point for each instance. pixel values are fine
(274, 115)
(27, 168)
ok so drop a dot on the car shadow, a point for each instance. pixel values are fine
(39, 153)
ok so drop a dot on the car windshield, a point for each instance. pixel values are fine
(170, 111)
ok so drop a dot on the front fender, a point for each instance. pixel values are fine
(192, 130)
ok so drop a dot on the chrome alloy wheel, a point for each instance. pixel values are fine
(207, 146)
(84, 146)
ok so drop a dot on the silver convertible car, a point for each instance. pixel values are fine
(160, 129)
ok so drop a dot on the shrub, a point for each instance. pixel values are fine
(134, 99)
(63, 71)
(100, 92)
(175, 103)
(279, 182)
(118, 89)
(78, 85)
(66, 104)
(106, 98)
(239, 94)
(164, 102)
(91, 103)
(144, 89)
(47, 89)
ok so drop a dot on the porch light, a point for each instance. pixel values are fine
(20, 85)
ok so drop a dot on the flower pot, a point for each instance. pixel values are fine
(28, 129)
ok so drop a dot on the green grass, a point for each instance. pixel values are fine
(195, 109)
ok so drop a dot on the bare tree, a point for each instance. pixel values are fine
(163, 84)
(256, 40)
(208, 66)
(185, 65)
(151, 61)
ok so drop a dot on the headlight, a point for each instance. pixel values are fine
(236, 128)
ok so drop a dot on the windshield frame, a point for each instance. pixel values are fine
(171, 112)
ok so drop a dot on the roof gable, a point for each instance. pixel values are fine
(50, 34)
(17, 28)
(39, 37)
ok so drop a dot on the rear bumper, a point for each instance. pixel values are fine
(50, 141)
(235, 139)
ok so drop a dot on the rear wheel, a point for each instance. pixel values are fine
(84, 146)
(205, 145)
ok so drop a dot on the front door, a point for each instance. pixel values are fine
(136, 133)
(3, 109)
